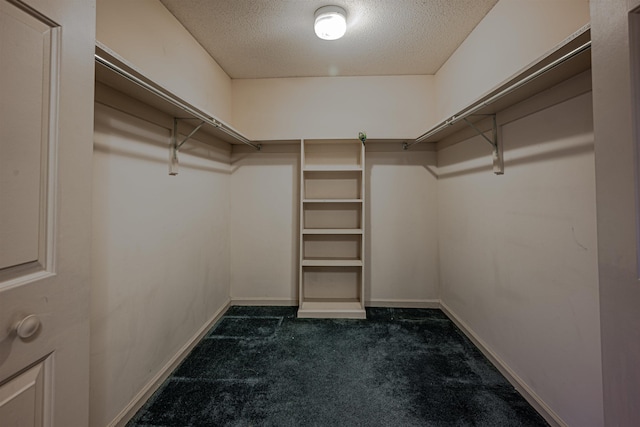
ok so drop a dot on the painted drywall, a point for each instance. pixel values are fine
(264, 225)
(160, 254)
(617, 195)
(401, 229)
(401, 244)
(518, 252)
(145, 34)
(512, 35)
(333, 107)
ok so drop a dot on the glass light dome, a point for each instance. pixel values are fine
(331, 22)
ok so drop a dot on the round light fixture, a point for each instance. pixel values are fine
(331, 22)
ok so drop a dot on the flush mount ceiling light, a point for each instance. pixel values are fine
(331, 22)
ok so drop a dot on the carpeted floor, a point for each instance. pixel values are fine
(261, 366)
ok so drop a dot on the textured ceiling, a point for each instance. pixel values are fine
(275, 38)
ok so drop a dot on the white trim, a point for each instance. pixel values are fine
(50, 183)
(403, 303)
(24, 279)
(47, 405)
(145, 393)
(523, 388)
(263, 301)
(395, 303)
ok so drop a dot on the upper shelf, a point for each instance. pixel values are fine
(567, 60)
(115, 72)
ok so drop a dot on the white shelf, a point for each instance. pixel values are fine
(332, 215)
(332, 309)
(332, 263)
(333, 168)
(117, 80)
(115, 72)
(332, 231)
(332, 201)
(494, 101)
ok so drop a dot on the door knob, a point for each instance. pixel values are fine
(28, 326)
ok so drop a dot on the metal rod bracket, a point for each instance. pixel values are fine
(494, 141)
(481, 133)
(175, 145)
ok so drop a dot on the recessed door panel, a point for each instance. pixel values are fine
(23, 398)
(25, 83)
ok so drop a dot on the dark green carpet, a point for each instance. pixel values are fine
(261, 366)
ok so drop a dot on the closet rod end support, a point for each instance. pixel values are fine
(259, 147)
(405, 146)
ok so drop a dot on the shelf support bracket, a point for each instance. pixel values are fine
(494, 141)
(175, 145)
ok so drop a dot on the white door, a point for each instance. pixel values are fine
(46, 131)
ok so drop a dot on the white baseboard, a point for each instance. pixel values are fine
(145, 393)
(263, 301)
(534, 400)
(403, 303)
(393, 303)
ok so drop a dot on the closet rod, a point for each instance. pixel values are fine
(517, 85)
(170, 99)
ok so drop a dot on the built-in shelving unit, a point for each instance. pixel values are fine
(332, 229)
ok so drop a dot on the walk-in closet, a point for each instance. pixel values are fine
(213, 216)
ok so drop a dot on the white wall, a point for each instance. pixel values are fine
(512, 35)
(401, 237)
(333, 107)
(148, 36)
(160, 254)
(161, 245)
(264, 224)
(616, 104)
(518, 252)
(401, 228)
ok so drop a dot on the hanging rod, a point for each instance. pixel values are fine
(475, 108)
(175, 102)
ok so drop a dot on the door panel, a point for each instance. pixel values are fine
(26, 39)
(23, 398)
(26, 82)
(46, 140)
